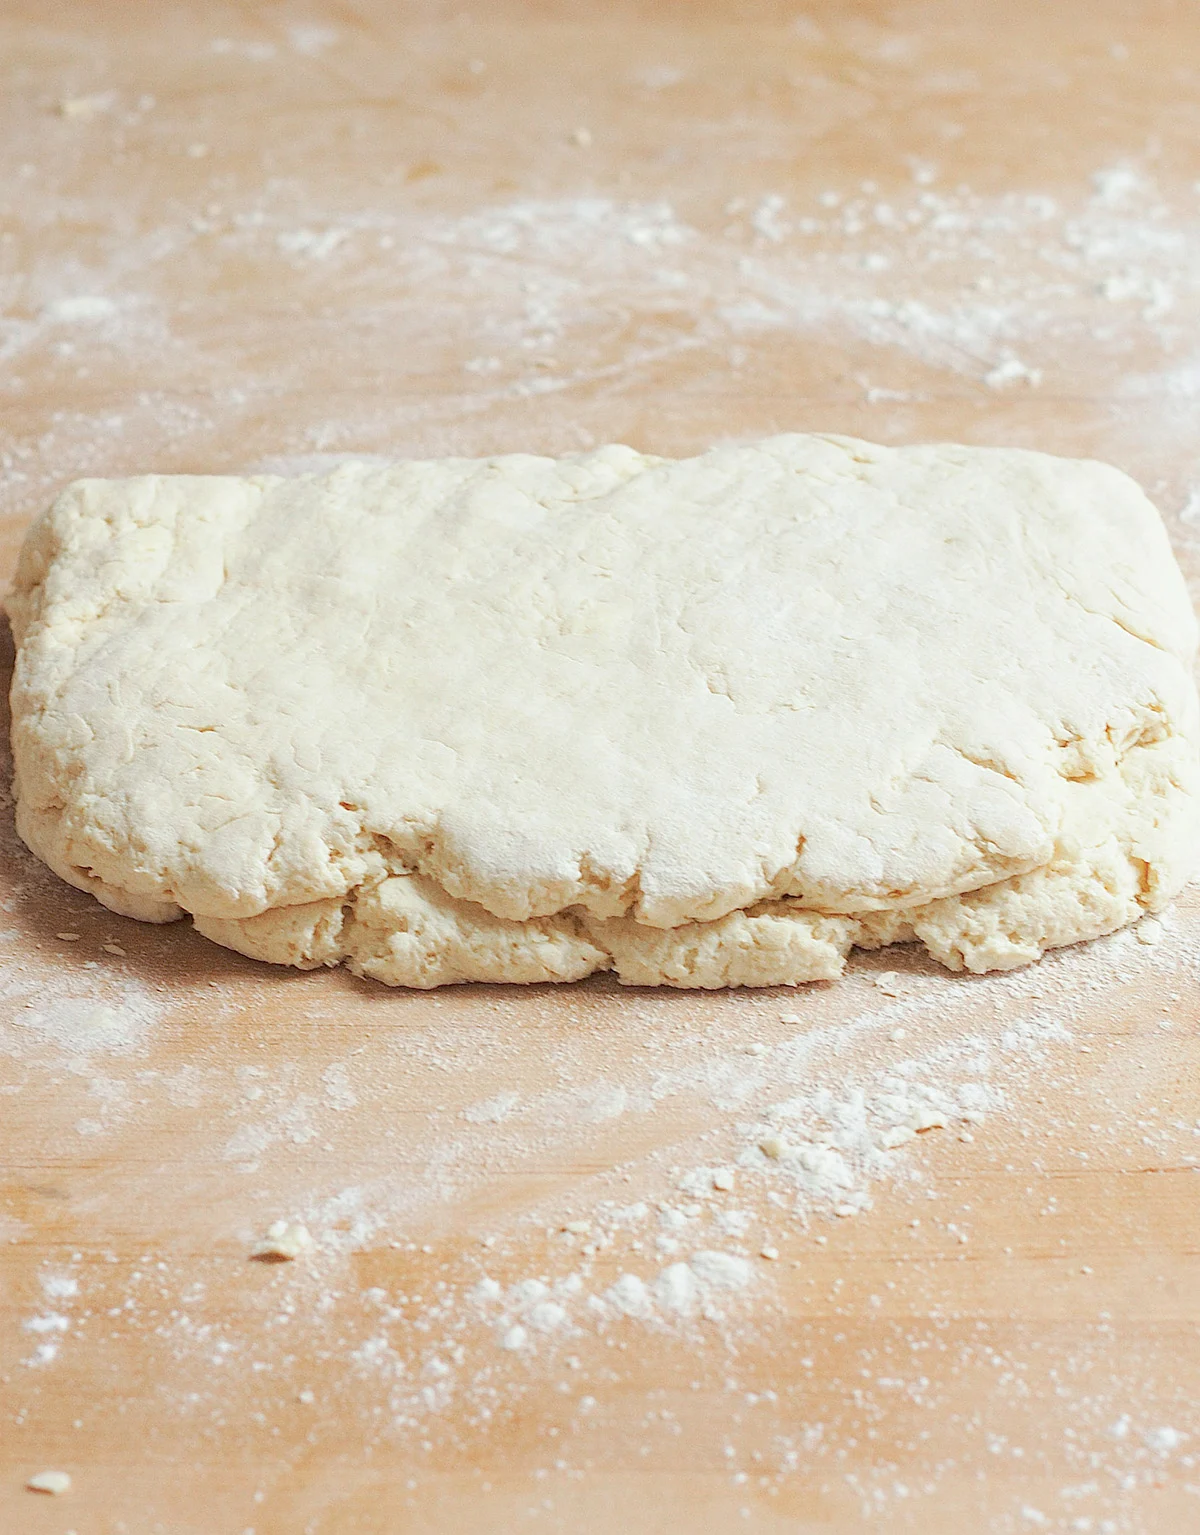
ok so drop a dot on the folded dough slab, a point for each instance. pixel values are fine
(702, 722)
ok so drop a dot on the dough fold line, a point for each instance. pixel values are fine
(405, 931)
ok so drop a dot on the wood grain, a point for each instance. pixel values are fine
(363, 227)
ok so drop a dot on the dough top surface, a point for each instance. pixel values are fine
(811, 667)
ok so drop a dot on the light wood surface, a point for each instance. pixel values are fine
(256, 234)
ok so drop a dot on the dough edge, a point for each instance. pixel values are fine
(404, 930)
(433, 940)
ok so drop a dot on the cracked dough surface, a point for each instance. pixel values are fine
(704, 722)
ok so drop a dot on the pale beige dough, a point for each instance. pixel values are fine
(704, 722)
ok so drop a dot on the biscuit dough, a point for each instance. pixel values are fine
(703, 722)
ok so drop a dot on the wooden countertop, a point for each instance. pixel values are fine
(266, 235)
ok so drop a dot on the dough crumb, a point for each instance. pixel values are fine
(52, 1482)
(284, 1241)
(1012, 371)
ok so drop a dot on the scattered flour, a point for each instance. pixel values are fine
(930, 279)
(492, 1110)
(315, 244)
(1163, 1440)
(59, 1286)
(82, 306)
(260, 52)
(81, 1019)
(311, 37)
(1116, 184)
(49, 1327)
(338, 1092)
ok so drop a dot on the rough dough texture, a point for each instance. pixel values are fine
(706, 722)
